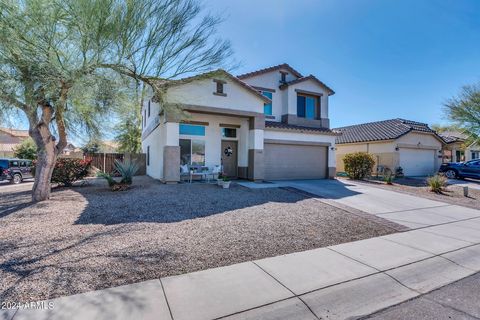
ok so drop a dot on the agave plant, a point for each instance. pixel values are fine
(127, 170)
(108, 177)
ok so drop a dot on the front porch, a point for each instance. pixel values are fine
(208, 139)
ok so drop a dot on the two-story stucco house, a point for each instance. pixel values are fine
(265, 125)
(10, 139)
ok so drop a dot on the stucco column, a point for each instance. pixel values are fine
(332, 167)
(171, 153)
(255, 148)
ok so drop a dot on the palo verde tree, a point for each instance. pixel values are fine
(464, 110)
(61, 61)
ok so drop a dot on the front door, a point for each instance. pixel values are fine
(229, 158)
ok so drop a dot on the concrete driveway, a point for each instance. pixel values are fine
(473, 184)
(410, 211)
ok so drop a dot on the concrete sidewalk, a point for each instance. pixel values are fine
(459, 300)
(337, 282)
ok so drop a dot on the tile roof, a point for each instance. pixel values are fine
(380, 130)
(269, 69)
(15, 132)
(453, 136)
(220, 72)
(286, 126)
(310, 77)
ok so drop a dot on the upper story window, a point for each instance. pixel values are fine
(144, 118)
(308, 106)
(192, 130)
(267, 107)
(219, 88)
(283, 78)
(149, 108)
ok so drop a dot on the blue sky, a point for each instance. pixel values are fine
(384, 59)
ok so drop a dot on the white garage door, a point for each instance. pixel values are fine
(417, 162)
(289, 161)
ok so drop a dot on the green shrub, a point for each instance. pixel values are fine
(26, 150)
(358, 165)
(388, 178)
(437, 183)
(127, 170)
(108, 177)
(67, 171)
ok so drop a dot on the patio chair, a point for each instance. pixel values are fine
(185, 173)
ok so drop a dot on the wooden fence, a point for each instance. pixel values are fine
(106, 161)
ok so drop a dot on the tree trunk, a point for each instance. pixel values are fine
(46, 158)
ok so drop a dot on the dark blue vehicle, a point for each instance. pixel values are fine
(15, 170)
(459, 170)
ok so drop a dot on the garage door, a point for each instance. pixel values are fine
(417, 162)
(288, 161)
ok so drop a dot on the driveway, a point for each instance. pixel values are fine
(473, 184)
(410, 211)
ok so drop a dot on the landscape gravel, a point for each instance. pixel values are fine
(88, 238)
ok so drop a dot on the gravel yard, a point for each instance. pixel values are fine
(88, 238)
(453, 194)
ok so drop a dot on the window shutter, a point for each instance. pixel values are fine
(301, 106)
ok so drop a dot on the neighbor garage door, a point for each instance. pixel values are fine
(417, 162)
(292, 161)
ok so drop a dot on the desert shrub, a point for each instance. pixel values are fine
(399, 172)
(67, 171)
(388, 178)
(26, 150)
(127, 170)
(437, 183)
(108, 177)
(358, 165)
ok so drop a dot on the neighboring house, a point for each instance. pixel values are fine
(268, 124)
(10, 139)
(70, 151)
(394, 143)
(472, 151)
(454, 147)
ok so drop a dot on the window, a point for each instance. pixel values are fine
(284, 76)
(192, 130)
(192, 152)
(149, 108)
(308, 106)
(144, 118)
(148, 155)
(219, 89)
(229, 132)
(14, 163)
(267, 107)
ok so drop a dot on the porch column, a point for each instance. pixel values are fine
(255, 148)
(332, 160)
(171, 153)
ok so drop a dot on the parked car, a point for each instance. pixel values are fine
(459, 170)
(15, 170)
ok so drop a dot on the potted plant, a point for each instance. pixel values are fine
(399, 172)
(220, 179)
(226, 182)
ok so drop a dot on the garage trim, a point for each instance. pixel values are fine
(300, 143)
(416, 146)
